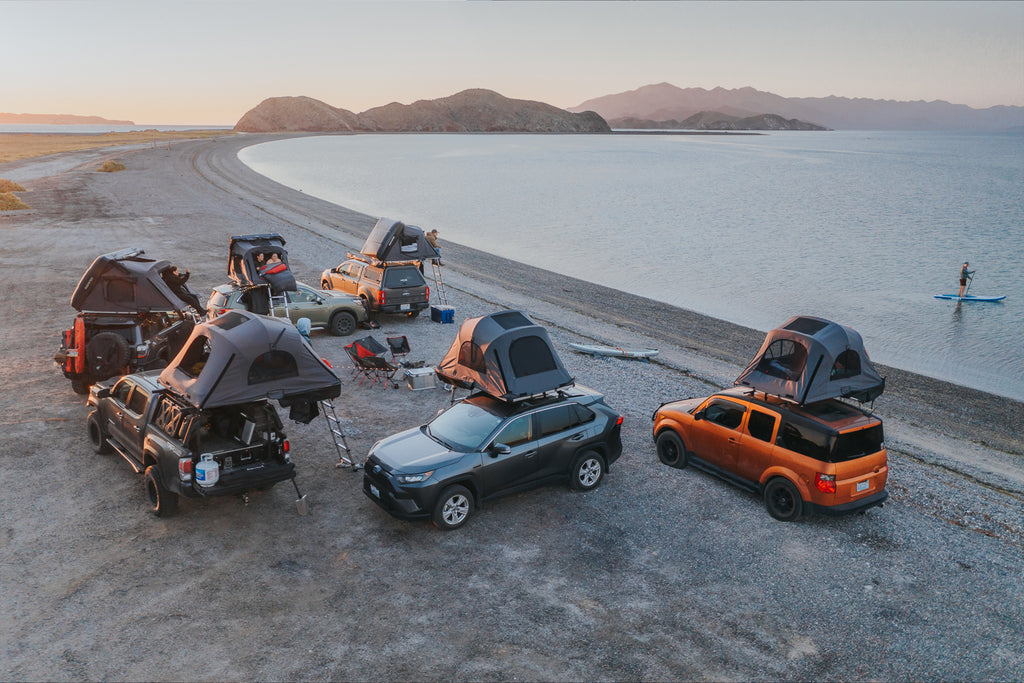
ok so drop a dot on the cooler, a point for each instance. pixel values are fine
(442, 314)
(419, 378)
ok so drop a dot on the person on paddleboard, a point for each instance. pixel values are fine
(965, 275)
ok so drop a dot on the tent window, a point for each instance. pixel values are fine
(228, 320)
(121, 291)
(273, 365)
(530, 356)
(509, 320)
(472, 357)
(846, 365)
(808, 326)
(194, 360)
(784, 359)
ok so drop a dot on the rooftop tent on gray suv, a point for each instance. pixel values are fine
(241, 357)
(812, 359)
(126, 281)
(249, 262)
(506, 355)
(392, 240)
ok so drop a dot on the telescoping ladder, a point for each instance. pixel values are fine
(278, 300)
(338, 436)
(442, 296)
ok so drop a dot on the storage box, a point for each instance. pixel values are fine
(418, 379)
(442, 314)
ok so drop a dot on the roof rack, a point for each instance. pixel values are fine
(373, 261)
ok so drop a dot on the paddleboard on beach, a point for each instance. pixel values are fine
(599, 350)
(970, 297)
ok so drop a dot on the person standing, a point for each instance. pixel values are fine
(432, 239)
(965, 275)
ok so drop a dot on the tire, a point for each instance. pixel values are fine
(671, 449)
(453, 508)
(782, 499)
(80, 386)
(587, 471)
(97, 437)
(106, 354)
(162, 502)
(342, 324)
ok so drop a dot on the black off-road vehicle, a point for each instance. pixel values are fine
(134, 314)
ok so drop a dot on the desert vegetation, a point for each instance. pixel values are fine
(16, 146)
(9, 202)
(10, 186)
(111, 166)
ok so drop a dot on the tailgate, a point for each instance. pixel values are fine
(862, 477)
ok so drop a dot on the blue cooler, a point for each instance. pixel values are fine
(442, 314)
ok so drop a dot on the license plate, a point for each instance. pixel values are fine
(374, 490)
(862, 485)
(404, 307)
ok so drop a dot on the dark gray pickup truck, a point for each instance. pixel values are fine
(384, 287)
(183, 450)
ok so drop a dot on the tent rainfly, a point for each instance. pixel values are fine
(248, 267)
(392, 240)
(241, 357)
(125, 281)
(504, 354)
(811, 359)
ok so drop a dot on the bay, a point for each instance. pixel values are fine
(862, 228)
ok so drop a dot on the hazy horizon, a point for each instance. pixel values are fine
(207, 63)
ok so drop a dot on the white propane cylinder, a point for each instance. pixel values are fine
(207, 471)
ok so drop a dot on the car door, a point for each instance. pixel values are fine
(346, 279)
(561, 430)
(716, 435)
(133, 420)
(754, 454)
(304, 303)
(500, 471)
(114, 410)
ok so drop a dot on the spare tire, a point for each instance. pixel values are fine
(107, 353)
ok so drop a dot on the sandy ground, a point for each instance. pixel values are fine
(658, 574)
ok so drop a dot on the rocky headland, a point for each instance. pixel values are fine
(713, 120)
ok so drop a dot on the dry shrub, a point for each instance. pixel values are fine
(8, 202)
(111, 166)
(10, 186)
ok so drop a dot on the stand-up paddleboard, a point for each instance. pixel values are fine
(599, 350)
(969, 297)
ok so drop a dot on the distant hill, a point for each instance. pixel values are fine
(714, 120)
(663, 101)
(468, 111)
(59, 119)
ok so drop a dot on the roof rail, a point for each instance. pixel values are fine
(374, 261)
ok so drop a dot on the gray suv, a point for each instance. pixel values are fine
(384, 287)
(481, 448)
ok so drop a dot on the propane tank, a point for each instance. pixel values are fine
(207, 471)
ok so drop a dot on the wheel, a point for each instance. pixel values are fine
(587, 471)
(453, 508)
(107, 353)
(342, 324)
(671, 450)
(161, 501)
(97, 437)
(80, 386)
(783, 500)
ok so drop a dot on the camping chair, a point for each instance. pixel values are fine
(399, 347)
(368, 359)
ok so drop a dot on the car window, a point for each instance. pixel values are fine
(372, 275)
(137, 401)
(583, 414)
(761, 425)
(856, 444)
(405, 276)
(515, 432)
(804, 440)
(464, 427)
(725, 413)
(350, 269)
(121, 391)
(218, 299)
(557, 419)
(302, 296)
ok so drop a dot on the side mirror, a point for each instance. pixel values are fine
(699, 415)
(500, 449)
(102, 392)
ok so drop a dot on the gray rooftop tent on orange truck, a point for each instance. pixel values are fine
(392, 240)
(811, 359)
(504, 354)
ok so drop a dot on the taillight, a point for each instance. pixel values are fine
(428, 292)
(826, 483)
(380, 298)
(185, 468)
(619, 421)
(221, 311)
(286, 446)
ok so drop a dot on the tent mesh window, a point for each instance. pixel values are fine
(847, 365)
(194, 360)
(530, 356)
(273, 365)
(472, 357)
(510, 320)
(784, 359)
(121, 291)
(228, 320)
(807, 326)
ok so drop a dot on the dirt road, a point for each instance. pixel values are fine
(659, 574)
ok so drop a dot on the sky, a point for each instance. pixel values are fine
(207, 63)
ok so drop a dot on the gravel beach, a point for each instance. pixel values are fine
(658, 574)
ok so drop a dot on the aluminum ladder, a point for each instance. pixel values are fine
(338, 436)
(442, 296)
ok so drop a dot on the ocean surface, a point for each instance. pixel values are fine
(862, 228)
(94, 128)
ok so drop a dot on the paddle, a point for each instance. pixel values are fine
(970, 281)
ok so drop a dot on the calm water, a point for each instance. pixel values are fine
(862, 228)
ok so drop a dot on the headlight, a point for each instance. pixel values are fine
(413, 478)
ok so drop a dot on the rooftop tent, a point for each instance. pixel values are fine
(125, 281)
(812, 359)
(240, 357)
(247, 265)
(392, 240)
(504, 354)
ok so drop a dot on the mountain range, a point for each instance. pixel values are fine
(58, 119)
(663, 101)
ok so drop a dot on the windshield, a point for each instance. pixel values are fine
(463, 427)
